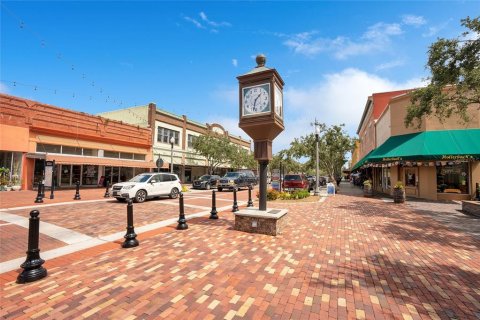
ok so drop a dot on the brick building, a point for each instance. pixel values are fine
(84, 147)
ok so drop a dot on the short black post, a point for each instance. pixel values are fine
(130, 237)
(477, 188)
(39, 198)
(213, 213)
(182, 222)
(77, 191)
(32, 267)
(107, 190)
(52, 190)
(42, 194)
(250, 202)
(235, 204)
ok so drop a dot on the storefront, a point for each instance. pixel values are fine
(437, 165)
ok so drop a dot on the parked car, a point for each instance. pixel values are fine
(148, 185)
(206, 182)
(294, 182)
(237, 180)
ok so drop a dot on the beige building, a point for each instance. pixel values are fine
(165, 126)
(438, 160)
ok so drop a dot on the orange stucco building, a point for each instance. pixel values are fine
(87, 148)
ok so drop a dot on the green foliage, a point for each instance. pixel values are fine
(184, 189)
(4, 179)
(288, 164)
(240, 158)
(273, 194)
(333, 145)
(215, 148)
(399, 185)
(299, 194)
(367, 183)
(454, 84)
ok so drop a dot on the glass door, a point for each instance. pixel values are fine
(65, 171)
(76, 173)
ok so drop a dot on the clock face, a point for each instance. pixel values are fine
(256, 100)
(278, 102)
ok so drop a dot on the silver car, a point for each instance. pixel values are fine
(148, 185)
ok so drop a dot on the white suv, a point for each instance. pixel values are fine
(148, 185)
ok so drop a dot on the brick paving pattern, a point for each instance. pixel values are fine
(346, 258)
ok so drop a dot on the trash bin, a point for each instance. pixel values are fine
(330, 188)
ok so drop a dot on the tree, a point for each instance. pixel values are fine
(454, 84)
(240, 158)
(288, 164)
(334, 144)
(215, 148)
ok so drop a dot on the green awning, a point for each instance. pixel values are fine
(362, 161)
(444, 145)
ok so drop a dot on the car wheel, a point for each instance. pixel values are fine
(121, 199)
(173, 193)
(207, 186)
(140, 196)
(220, 189)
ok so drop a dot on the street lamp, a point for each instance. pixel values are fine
(172, 141)
(317, 135)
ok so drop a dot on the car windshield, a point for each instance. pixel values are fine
(232, 175)
(140, 178)
(292, 178)
(205, 178)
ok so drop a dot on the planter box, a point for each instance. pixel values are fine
(398, 195)
(270, 222)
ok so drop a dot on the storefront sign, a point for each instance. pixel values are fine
(275, 174)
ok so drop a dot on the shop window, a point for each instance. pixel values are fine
(453, 178)
(71, 150)
(90, 152)
(90, 175)
(111, 154)
(124, 155)
(191, 140)
(386, 178)
(49, 148)
(13, 162)
(410, 177)
(137, 156)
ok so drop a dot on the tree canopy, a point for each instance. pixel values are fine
(454, 83)
(215, 148)
(334, 143)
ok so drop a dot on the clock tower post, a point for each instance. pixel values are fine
(261, 115)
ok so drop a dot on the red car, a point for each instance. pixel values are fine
(294, 182)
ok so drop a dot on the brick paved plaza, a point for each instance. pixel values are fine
(347, 257)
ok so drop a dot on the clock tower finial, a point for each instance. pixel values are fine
(261, 59)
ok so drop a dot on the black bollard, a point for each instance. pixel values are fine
(235, 204)
(52, 189)
(107, 190)
(250, 202)
(130, 237)
(32, 267)
(477, 188)
(182, 222)
(39, 198)
(213, 213)
(77, 191)
(42, 193)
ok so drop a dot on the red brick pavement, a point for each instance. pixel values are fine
(346, 258)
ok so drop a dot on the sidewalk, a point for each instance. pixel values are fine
(346, 258)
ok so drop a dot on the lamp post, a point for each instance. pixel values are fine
(317, 178)
(172, 141)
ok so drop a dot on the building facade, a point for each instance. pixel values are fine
(437, 160)
(165, 125)
(86, 148)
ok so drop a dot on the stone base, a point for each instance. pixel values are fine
(471, 207)
(270, 222)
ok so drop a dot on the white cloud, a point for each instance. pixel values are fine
(214, 24)
(412, 20)
(235, 62)
(390, 65)
(226, 95)
(434, 30)
(376, 38)
(3, 88)
(195, 22)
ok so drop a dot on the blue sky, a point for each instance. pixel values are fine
(96, 56)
